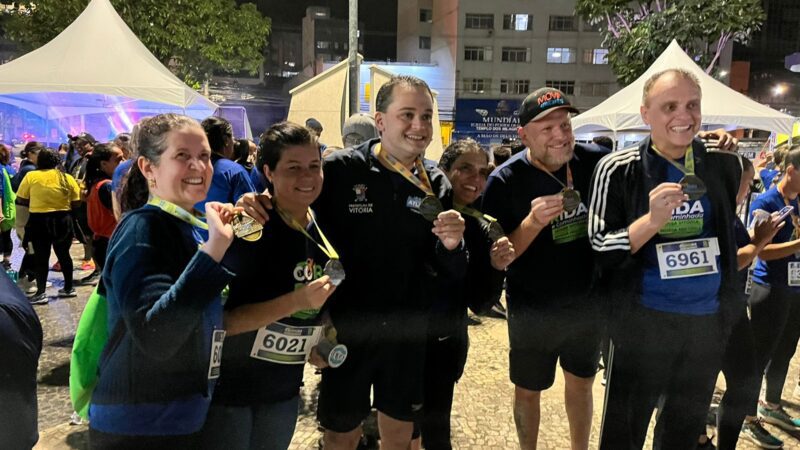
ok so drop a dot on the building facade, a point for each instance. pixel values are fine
(501, 50)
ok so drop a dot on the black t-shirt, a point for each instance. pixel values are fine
(742, 240)
(282, 261)
(556, 269)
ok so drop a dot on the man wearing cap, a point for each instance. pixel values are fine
(660, 224)
(358, 128)
(540, 197)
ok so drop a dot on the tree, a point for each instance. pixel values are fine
(637, 32)
(191, 37)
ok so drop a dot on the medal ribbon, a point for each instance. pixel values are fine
(176, 211)
(423, 182)
(688, 160)
(474, 213)
(538, 164)
(327, 249)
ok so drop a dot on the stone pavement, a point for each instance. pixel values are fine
(482, 415)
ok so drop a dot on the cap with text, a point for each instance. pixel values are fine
(542, 102)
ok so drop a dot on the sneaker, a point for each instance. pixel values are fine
(90, 280)
(87, 265)
(473, 320)
(498, 311)
(63, 293)
(56, 267)
(31, 287)
(757, 434)
(39, 299)
(779, 417)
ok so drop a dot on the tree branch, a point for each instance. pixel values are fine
(611, 27)
(721, 43)
(624, 21)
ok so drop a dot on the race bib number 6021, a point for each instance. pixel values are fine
(284, 344)
(691, 258)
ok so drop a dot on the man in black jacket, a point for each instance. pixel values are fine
(660, 223)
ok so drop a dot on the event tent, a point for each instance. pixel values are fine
(721, 104)
(97, 65)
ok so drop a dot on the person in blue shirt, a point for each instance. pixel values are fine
(158, 369)
(775, 310)
(230, 180)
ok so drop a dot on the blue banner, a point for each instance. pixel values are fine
(488, 121)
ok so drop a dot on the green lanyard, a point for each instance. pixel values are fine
(327, 249)
(687, 168)
(176, 211)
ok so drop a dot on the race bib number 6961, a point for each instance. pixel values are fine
(691, 258)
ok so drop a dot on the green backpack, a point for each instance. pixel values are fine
(90, 339)
(9, 209)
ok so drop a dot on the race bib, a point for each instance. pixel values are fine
(793, 277)
(284, 344)
(216, 354)
(684, 259)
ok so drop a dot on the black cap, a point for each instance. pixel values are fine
(83, 137)
(542, 102)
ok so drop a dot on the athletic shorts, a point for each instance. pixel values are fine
(393, 370)
(540, 338)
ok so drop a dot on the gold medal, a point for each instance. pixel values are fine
(247, 228)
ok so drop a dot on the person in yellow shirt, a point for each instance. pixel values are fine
(51, 196)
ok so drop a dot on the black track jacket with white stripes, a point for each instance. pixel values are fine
(621, 185)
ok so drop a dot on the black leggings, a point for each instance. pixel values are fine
(100, 247)
(743, 384)
(776, 329)
(46, 230)
(6, 246)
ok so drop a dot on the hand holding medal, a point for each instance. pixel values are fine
(449, 228)
(502, 253)
(546, 208)
(691, 184)
(571, 198)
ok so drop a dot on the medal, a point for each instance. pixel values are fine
(247, 228)
(693, 186)
(572, 199)
(430, 208)
(495, 231)
(335, 270)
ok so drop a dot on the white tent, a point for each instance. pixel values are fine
(97, 65)
(721, 104)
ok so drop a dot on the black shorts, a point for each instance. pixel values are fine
(394, 371)
(540, 338)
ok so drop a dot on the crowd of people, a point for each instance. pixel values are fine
(227, 266)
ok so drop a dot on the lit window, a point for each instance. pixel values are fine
(560, 55)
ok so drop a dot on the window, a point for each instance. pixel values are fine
(480, 21)
(478, 53)
(563, 23)
(476, 85)
(426, 15)
(323, 44)
(515, 86)
(560, 55)
(516, 54)
(596, 28)
(595, 56)
(567, 87)
(595, 89)
(425, 42)
(518, 22)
